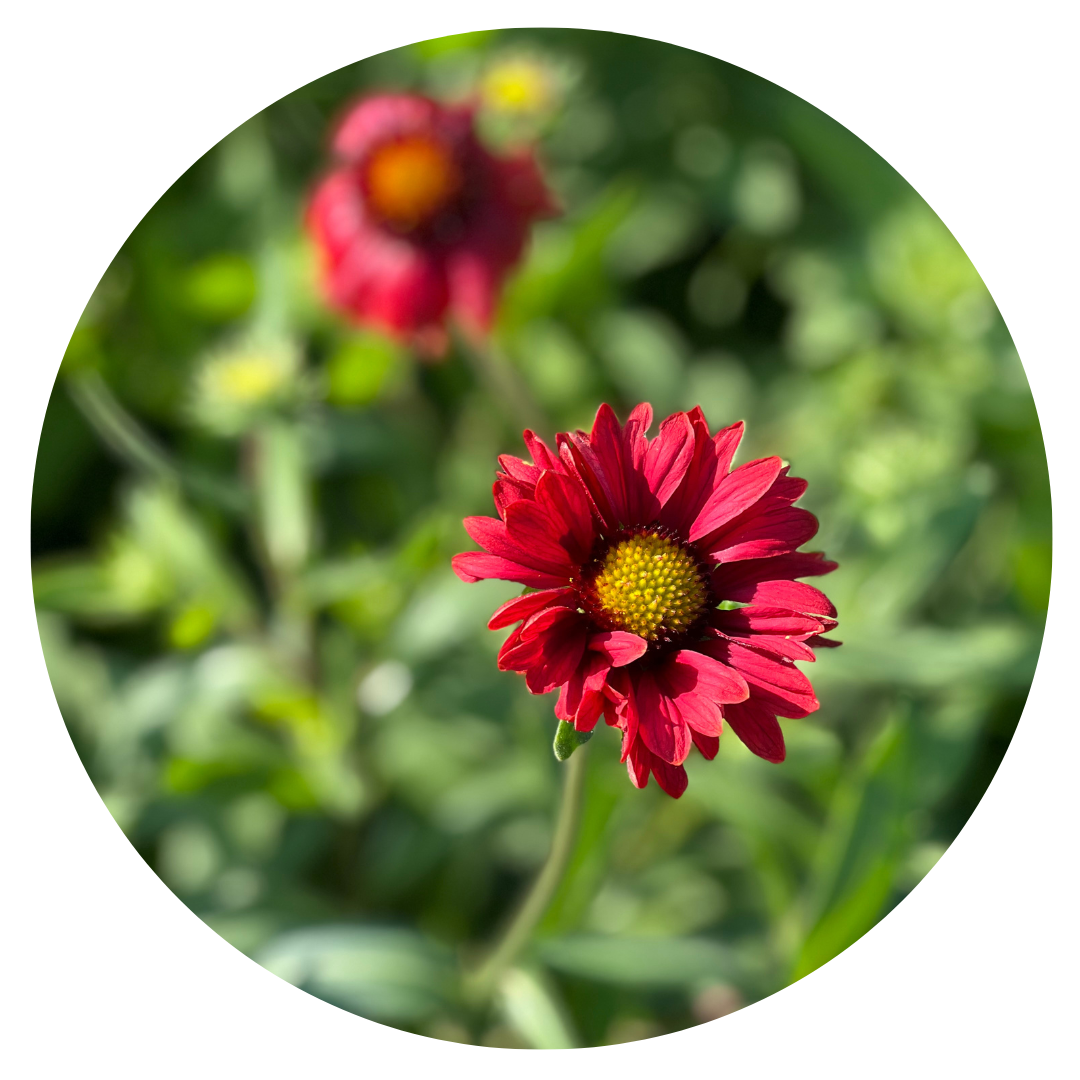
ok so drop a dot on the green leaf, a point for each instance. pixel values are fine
(568, 739)
(643, 961)
(861, 849)
(530, 1005)
(385, 974)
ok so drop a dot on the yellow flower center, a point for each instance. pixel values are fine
(516, 86)
(246, 379)
(649, 585)
(408, 181)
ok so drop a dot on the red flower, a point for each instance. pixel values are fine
(418, 218)
(633, 545)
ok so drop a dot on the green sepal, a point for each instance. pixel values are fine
(568, 739)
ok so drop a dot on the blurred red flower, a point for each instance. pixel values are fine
(418, 219)
(633, 545)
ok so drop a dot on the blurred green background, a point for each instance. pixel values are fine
(244, 511)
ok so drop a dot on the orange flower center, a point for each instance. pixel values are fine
(649, 585)
(408, 181)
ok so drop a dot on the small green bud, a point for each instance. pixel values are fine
(568, 739)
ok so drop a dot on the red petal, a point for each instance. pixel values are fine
(788, 648)
(708, 745)
(506, 491)
(638, 764)
(384, 116)
(692, 672)
(517, 469)
(765, 620)
(544, 554)
(701, 713)
(473, 566)
(792, 595)
(734, 494)
(710, 463)
(641, 504)
(757, 727)
(780, 686)
(621, 648)
(531, 526)
(669, 456)
(552, 644)
(774, 533)
(672, 778)
(521, 607)
(541, 453)
(798, 564)
(665, 732)
(564, 501)
(371, 274)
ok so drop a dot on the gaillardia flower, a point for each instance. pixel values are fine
(663, 592)
(418, 219)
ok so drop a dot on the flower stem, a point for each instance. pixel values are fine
(480, 984)
(132, 444)
(493, 369)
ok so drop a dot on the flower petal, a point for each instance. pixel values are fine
(701, 713)
(671, 778)
(381, 117)
(710, 463)
(551, 648)
(506, 491)
(765, 620)
(819, 642)
(372, 274)
(791, 595)
(775, 533)
(669, 456)
(786, 648)
(736, 493)
(533, 528)
(538, 551)
(473, 566)
(640, 762)
(758, 729)
(522, 607)
(777, 684)
(665, 732)
(517, 469)
(692, 672)
(541, 452)
(708, 745)
(797, 564)
(564, 501)
(621, 648)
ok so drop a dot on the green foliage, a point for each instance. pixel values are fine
(244, 512)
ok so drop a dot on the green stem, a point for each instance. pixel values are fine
(502, 381)
(120, 432)
(134, 446)
(480, 984)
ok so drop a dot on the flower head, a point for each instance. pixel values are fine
(663, 587)
(239, 382)
(418, 219)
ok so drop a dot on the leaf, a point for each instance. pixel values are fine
(642, 961)
(384, 974)
(531, 1007)
(568, 739)
(861, 850)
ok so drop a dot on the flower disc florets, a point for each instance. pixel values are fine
(626, 545)
(409, 181)
(646, 583)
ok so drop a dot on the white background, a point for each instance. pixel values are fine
(104, 971)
